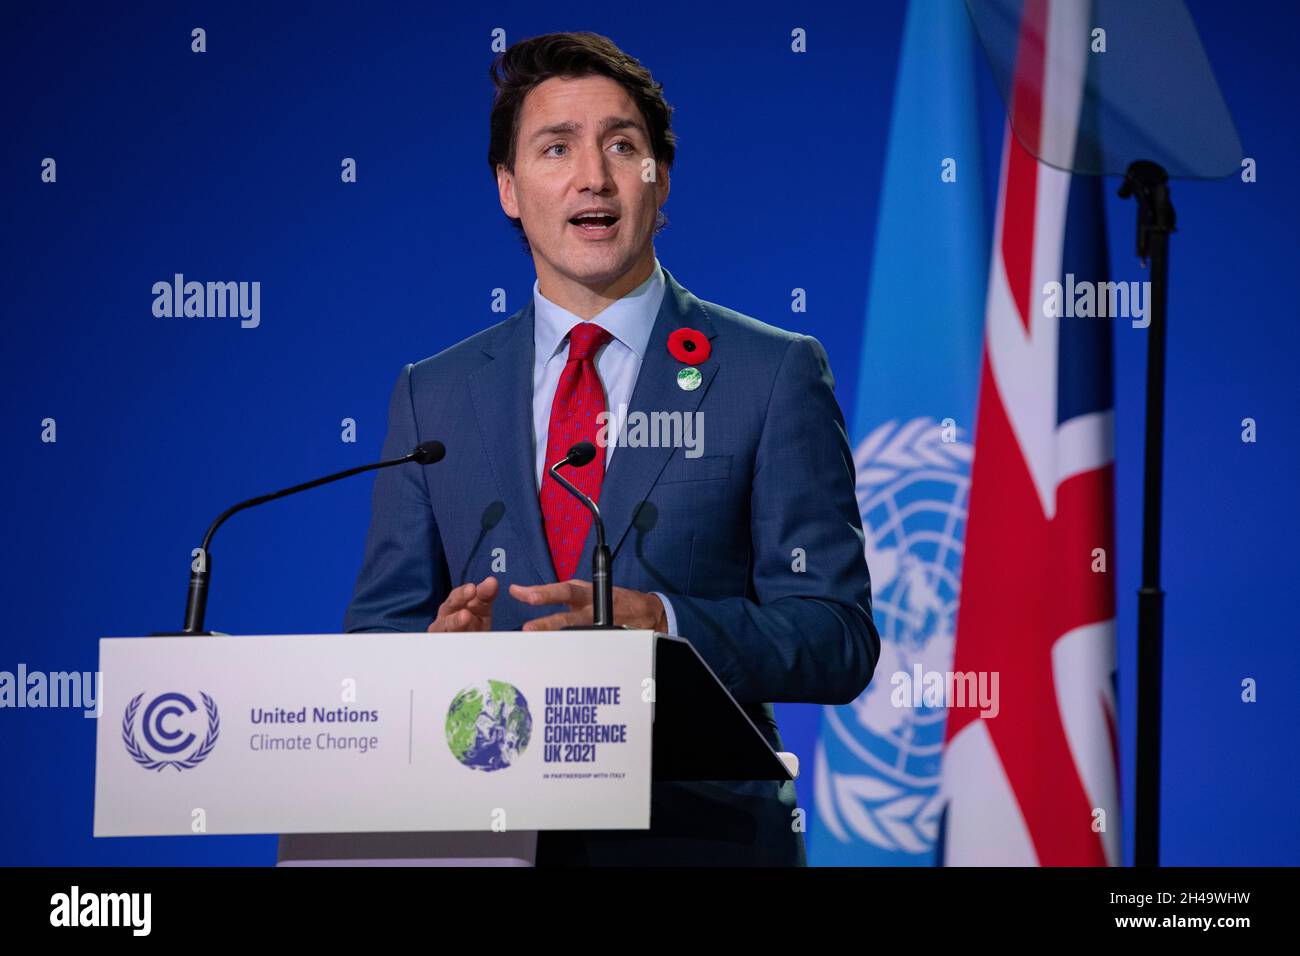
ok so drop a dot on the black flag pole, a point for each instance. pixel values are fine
(1148, 184)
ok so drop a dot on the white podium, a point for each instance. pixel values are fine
(409, 749)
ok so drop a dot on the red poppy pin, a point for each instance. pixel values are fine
(689, 346)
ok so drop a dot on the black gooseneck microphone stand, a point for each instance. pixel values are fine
(196, 602)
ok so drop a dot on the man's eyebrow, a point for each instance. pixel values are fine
(606, 125)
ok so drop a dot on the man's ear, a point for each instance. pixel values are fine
(506, 191)
(661, 185)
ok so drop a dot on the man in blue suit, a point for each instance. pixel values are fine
(743, 536)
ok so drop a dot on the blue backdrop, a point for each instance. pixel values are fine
(225, 166)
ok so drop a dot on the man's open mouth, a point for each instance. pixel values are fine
(594, 222)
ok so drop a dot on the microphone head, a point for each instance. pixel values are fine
(429, 452)
(583, 453)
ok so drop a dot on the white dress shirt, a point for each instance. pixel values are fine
(629, 320)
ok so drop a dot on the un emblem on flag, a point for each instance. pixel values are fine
(877, 779)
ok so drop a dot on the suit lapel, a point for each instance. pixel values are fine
(634, 471)
(502, 391)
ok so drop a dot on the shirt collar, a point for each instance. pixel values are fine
(629, 319)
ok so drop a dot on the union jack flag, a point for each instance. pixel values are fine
(1037, 783)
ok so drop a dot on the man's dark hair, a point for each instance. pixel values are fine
(530, 62)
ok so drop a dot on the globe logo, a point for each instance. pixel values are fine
(489, 726)
(877, 779)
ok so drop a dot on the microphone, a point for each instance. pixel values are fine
(581, 455)
(426, 453)
(602, 584)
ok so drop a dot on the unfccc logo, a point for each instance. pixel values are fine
(159, 725)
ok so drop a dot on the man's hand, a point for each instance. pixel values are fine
(632, 608)
(468, 608)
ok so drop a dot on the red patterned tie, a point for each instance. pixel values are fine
(579, 398)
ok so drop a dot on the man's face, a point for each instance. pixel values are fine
(583, 145)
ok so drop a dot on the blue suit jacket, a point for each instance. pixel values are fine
(758, 542)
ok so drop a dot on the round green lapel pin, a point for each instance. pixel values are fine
(689, 378)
